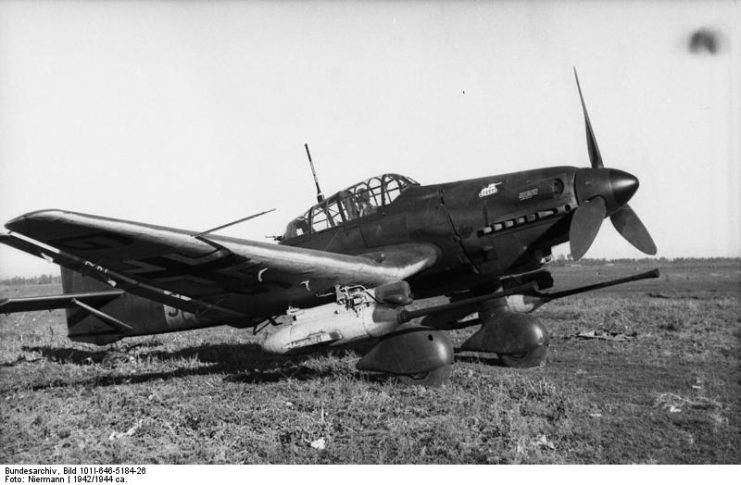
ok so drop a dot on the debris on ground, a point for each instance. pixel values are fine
(674, 402)
(698, 384)
(544, 442)
(319, 444)
(116, 435)
(664, 296)
(600, 335)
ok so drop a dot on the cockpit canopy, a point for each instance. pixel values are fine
(360, 200)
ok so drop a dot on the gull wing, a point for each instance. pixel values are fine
(238, 278)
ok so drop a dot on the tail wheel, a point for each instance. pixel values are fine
(531, 358)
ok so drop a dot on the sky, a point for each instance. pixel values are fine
(193, 114)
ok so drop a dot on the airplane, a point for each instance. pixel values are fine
(359, 265)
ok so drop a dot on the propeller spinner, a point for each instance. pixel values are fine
(604, 191)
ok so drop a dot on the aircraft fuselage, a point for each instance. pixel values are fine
(484, 228)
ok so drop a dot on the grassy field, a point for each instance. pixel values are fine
(669, 393)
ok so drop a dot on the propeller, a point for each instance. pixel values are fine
(585, 225)
(601, 190)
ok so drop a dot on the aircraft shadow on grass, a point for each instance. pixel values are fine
(244, 363)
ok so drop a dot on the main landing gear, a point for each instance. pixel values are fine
(519, 339)
(417, 355)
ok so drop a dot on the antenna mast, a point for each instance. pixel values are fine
(319, 195)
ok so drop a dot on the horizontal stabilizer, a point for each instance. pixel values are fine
(38, 303)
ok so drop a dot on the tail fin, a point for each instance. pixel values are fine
(74, 282)
(111, 320)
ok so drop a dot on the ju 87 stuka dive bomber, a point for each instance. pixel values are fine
(349, 269)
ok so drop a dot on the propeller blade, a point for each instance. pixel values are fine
(585, 225)
(629, 226)
(594, 155)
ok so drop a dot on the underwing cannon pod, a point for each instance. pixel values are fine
(356, 314)
(526, 303)
(417, 355)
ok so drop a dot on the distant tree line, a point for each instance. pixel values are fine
(567, 260)
(45, 279)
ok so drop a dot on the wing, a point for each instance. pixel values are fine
(238, 278)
